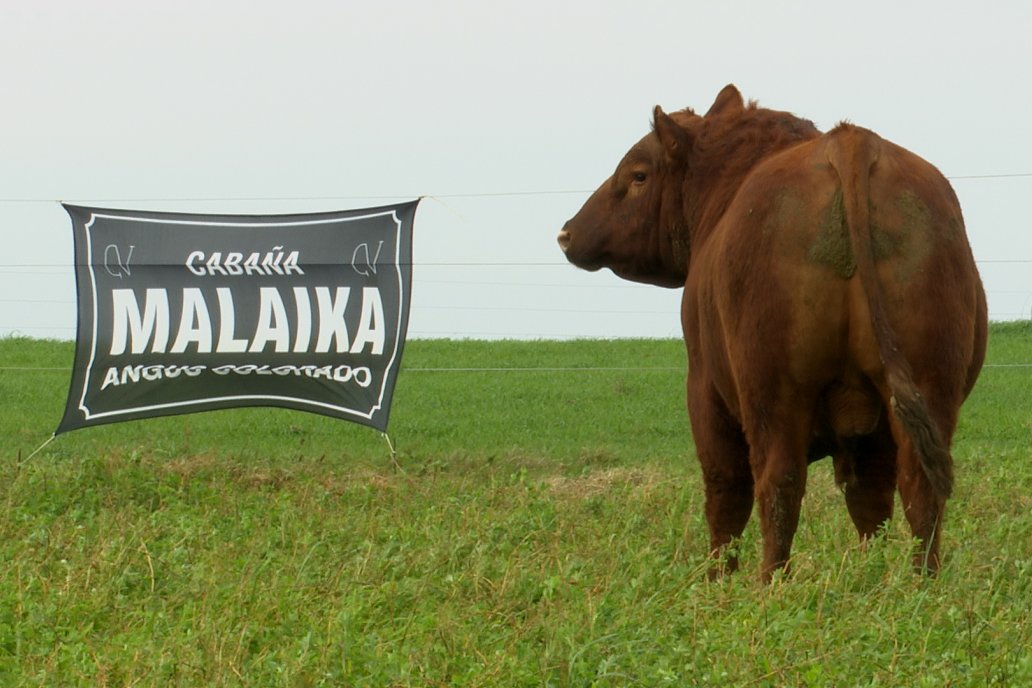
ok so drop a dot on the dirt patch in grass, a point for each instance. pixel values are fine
(599, 482)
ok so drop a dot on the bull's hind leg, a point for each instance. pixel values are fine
(778, 457)
(923, 506)
(865, 470)
(724, 457)
(924, 509)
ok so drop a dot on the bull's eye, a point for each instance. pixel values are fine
(638, 177)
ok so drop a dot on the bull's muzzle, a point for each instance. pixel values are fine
(564, 239)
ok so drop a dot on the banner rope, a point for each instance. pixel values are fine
(394, 453)
(29, 457)
(447, 207)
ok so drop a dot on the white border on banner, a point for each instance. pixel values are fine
(248, 397)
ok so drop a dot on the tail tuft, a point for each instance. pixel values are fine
(912, 411)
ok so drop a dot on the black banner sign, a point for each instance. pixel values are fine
(181, 313)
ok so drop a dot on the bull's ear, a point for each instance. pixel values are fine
(676, 140)
(729, 102)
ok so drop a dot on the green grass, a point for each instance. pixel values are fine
(545, 528)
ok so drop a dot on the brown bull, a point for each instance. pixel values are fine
(831, 307)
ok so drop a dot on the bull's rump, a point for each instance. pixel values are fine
(777, 295)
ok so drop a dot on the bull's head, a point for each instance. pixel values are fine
(634, 224)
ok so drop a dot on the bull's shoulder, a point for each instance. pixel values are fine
(779, 195)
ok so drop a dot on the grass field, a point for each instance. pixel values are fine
(542, 528)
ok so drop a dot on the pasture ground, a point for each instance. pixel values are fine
(542, 528)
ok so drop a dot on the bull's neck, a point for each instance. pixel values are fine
(724, 156)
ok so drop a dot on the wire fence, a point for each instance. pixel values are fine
(503, 369)
(381, 197)
(450, 293)
(466, 319)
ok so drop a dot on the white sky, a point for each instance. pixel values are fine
(260, 105)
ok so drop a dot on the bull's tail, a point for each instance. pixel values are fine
(853, 152)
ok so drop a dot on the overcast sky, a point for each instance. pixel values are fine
(507, 113)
